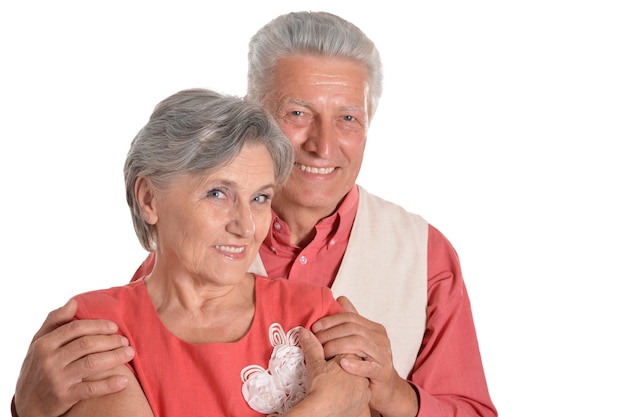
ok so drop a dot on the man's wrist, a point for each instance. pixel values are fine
(404, 401)
(417, 395)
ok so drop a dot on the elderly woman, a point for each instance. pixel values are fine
(210, 337)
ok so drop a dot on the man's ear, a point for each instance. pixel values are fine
(144, 194)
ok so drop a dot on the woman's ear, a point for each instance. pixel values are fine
(144, 194)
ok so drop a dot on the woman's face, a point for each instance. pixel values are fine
(211, 226)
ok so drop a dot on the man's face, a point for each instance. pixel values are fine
(321, 104)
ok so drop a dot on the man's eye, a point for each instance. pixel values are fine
(349, 118)
(297, 118)
(215, 194)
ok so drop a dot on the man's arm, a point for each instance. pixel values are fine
(449, 371)
(348, 332)
(448, 377)
(62, 354)
(130, 401)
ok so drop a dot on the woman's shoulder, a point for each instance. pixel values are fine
(290, 287)
(292, 293)
(105, 303)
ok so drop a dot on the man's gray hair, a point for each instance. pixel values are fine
(310, 33)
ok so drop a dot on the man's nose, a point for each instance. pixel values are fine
(321, 139)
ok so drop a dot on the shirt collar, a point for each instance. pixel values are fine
(329, 230)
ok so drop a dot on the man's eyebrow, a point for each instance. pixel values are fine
(353, 108)
(309, 105)
(298, 102)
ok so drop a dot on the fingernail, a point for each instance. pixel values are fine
(129, 351)
(304, 333)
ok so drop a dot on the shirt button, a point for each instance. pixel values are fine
(273, 249)
(332, 242)
(303, 260)
(277, 226)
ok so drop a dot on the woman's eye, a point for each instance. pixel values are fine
(263, 198)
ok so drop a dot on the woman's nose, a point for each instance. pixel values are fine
(242, 222)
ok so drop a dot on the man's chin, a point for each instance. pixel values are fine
(313, 199)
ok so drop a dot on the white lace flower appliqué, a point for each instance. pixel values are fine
(277, 389)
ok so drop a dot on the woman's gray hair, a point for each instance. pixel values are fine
(310, 33)
(198, 131)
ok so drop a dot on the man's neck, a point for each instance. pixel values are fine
(302, 219)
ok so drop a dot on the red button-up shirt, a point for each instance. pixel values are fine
(448, 371)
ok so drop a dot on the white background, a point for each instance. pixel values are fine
(503, 123)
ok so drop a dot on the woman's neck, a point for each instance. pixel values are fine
(201, 313)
